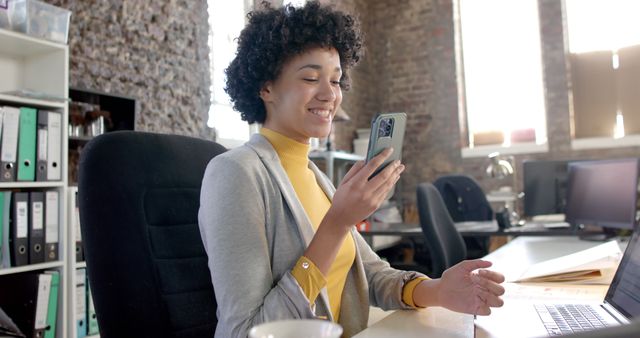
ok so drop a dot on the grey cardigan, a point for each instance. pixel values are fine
(254, 230)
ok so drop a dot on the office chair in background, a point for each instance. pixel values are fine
(466, 201)
(445, 244)
(139, 195)
(464, 198)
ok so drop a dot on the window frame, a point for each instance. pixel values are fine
(251, 129)
(591, 142)
(468, 151)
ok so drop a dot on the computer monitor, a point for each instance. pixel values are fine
(545, 187)
(603, 193)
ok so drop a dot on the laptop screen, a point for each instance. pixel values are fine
(624, 293)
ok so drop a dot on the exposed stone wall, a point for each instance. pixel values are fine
(154, 51)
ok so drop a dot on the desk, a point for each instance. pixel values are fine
(514, 256)
(472, 229)
(432, 322)
(335, 160)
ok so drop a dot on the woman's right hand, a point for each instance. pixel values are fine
(357, 197)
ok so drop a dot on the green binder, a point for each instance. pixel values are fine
(27, 144)
(1, 224)
(5, 262)
(52, 311)
(92, 319)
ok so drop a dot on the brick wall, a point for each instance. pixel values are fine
(410, 67)
(154, 51)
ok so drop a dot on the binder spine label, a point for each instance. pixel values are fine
(42, 305)
(37, 216)
(51, 217)
(22, 222)
(42, 145)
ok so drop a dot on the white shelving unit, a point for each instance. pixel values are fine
(42, 66)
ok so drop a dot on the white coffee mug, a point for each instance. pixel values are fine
(296, 328)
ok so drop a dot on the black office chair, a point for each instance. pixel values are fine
(139, 195)
(445, 244)
(464, 198)
(466, 201)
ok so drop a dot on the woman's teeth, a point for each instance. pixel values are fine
(321, 113)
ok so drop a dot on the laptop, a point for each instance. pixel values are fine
(539, 319)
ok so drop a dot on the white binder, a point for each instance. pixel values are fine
(9, 149)
(42, 304)
(52, 226)
(81, 303)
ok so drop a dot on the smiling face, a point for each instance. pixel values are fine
(303, 100)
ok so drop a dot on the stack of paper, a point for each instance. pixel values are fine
(596, 265)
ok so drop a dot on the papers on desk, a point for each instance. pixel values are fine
(552, 292)
(548, 218)
(480, 226)
(595, 265)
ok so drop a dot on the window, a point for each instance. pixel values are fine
(226, 20)
(503, 96)
(604, 46)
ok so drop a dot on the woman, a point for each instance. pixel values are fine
(280, 238)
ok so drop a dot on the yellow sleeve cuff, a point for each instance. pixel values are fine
(309, 278)
(407, 291)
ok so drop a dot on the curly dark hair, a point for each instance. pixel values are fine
(273, 36)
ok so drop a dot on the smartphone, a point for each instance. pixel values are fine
(387, 131)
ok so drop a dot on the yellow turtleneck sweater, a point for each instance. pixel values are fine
(295, 161)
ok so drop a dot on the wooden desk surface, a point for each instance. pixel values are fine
(431, 322)
(511, 258)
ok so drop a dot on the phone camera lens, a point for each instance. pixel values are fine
(385, 128)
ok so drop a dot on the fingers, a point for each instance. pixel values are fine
(490, 299)
(485, 301)
(489, 285)
(475, 264)
(491, 275)
(483, 311)
(387, 179)
(487, 290)
(375, 162)
(481, 308)
(353, 171)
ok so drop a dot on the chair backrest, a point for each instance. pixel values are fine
(139, 195)
(445, 243)
(464, 198)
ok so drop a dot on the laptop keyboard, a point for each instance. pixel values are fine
(560, 319)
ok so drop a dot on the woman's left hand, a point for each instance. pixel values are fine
(467, 287)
